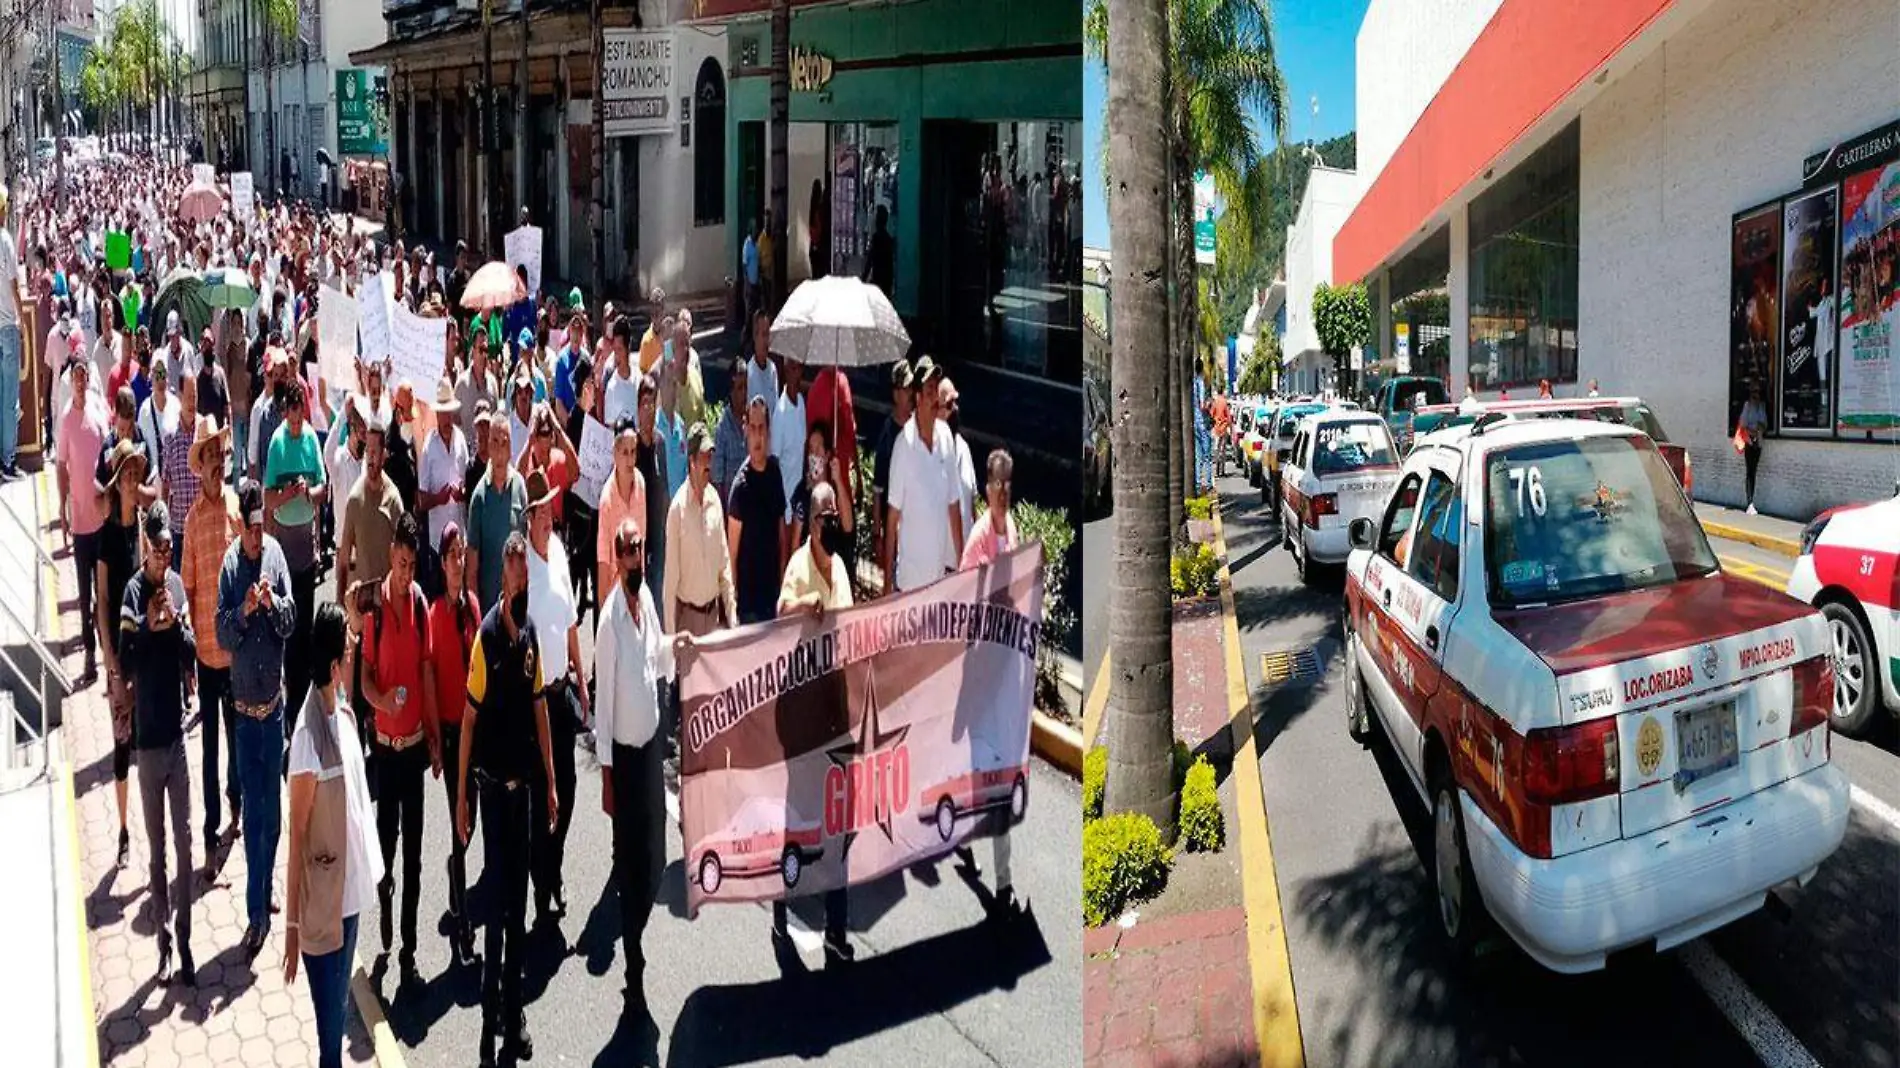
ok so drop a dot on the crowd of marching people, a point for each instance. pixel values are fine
(347, 589)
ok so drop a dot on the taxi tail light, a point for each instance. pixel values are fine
(1813, 695)
(1688, 475)
(1320, 504)
(1563, 765)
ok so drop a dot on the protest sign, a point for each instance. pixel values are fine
(202, 174)
(523, 249)
(243, 197)
(118, 250)
(821, 752)
(336, 337)
(597, 458)
(372, 308)
(416, 350)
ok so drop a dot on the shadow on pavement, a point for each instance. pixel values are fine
(808, 1014)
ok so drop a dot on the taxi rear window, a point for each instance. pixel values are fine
(1290, 419)
(1586, 517)
(1342, 447)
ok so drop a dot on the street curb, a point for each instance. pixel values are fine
(1056, 742)
(1771, 542)
(1096, 703)
(387, 1051)
(1276, 1014)
(79, 917)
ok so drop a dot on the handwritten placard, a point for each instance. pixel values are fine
(372, 307)
(523, 249)
(336, 336)
(416, 349)
(243, 196)
(202, 174)
(597, 458)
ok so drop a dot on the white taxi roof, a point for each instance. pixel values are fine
(1342, 415)
(1513, 432)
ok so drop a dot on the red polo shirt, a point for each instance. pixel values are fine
(395, 646)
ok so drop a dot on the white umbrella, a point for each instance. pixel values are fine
(839, 321)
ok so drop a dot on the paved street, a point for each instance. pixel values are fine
(1373, 980)
(933, 983)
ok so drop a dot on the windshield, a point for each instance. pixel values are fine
(1414, 392)
(1290, 418)
(1583, 518)
(1339, 448)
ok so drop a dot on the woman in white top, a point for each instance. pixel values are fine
(332, 869)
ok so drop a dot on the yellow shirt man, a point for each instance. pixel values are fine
(804, 581)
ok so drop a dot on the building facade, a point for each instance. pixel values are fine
(1672, 199)
(1324, 205)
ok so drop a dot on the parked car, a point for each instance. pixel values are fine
(1286, 421)
(1849, 568)
(1627, 411)
(993, 782)
(1254, 443)
(765, 837)
(1342, 467)
(1620, 744)
(1097, 459)
(1399, 400)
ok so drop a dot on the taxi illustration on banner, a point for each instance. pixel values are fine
(766, 837)
(992, 782)
(1849, 568)
(1620, 744)
(1342, 467)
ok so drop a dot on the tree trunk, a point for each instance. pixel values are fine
(1181, 335)
(1141, 694)
(523, 120)
(597, 207)
(781, 130)
(1187, 297)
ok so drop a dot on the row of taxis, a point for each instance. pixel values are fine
(1620, 744)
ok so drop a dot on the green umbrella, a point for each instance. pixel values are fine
(228, 287)
(183, 292)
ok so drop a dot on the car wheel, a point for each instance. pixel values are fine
(1018, 799)
(1854, 682)
(1460, 910)
(791, 866)
(710, 874)
(1358, 716)
(1302, 562)
(946, 819)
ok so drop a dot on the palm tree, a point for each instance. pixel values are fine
(1140, 701)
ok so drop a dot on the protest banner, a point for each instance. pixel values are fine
(597, 458)
(416, 350)
(522, 248)
(202, 174)
(118, 250)
(372, 317)
(243, 197)
(336, 337)
(822, 752)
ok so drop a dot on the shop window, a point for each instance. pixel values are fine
(857, 215)
(1524, 271)
(1420, 341)
(709, 145)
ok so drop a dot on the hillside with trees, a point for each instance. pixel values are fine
(1288, 167)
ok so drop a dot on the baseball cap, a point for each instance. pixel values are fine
(158, 522)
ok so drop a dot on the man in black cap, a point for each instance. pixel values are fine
(155, 638)
(903, 395)
(510, 755)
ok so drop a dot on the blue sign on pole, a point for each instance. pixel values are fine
(1233, 363)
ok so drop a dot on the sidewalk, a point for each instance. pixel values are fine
(1765, 532)
(240, 1014)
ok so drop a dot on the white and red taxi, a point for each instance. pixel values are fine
(1621, 745)
(1342, 467)
(1849, 568)
(765, 837)
(992, 782)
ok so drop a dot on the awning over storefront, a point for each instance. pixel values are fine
(1527, 61)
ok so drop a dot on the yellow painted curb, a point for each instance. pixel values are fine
(1276, 1015)
(1774, 544)
(1056, 742)
(79, 915)
(1096, 703)
(382, 1040)
(1766, 576)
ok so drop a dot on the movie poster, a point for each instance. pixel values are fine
(1870, 304)
(1810, 312)
(1754, 309)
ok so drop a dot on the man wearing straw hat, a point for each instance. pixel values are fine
(440, 497)
(551, 610)
(211, 526)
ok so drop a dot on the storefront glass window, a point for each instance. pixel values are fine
(1524, 271)
(1012, 280)
(1420, 342)
(862, 204)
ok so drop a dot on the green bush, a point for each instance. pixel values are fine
(1203, 829)
(1183, 760)
(1094, 782)
(1200, 507)
(1123, 861)
(1056, 530)
(1195, 572)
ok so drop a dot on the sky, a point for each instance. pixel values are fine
(1314, 41)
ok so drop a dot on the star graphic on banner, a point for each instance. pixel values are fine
(870, 740)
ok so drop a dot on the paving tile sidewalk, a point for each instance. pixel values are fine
(1177, 990)
(1768, 528)
(240, 1014)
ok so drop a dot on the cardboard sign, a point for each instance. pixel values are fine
(336, 337)
(417, 347)
(202, 174)
(597, 457)
(243, 197)
(372, 306)
(523, 249)
(118, 250)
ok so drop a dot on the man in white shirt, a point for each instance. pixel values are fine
(622, 394)
(158, 416)
(924, 522)
(632, 655)
(761, 378)
(11, 350)
(344, 464)
(557, 625)
(440, 495)
(951, 415)
(788, 431)
(520, 416)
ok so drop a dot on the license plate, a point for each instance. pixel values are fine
(1705, 743)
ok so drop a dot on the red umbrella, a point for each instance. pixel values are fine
(200, 203)
(494, 286)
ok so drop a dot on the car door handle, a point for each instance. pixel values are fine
(1431, 638)
(1388, 598)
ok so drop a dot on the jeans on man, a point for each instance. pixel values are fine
(399, 777)
(217, 716)
(10, 371)
(550, 846)
(260, 750)
(458, 852)
(329, 976)
(639, 843)
(86, 562)
(164, 779)
(506, 839)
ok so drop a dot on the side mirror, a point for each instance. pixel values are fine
(1359, 532)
